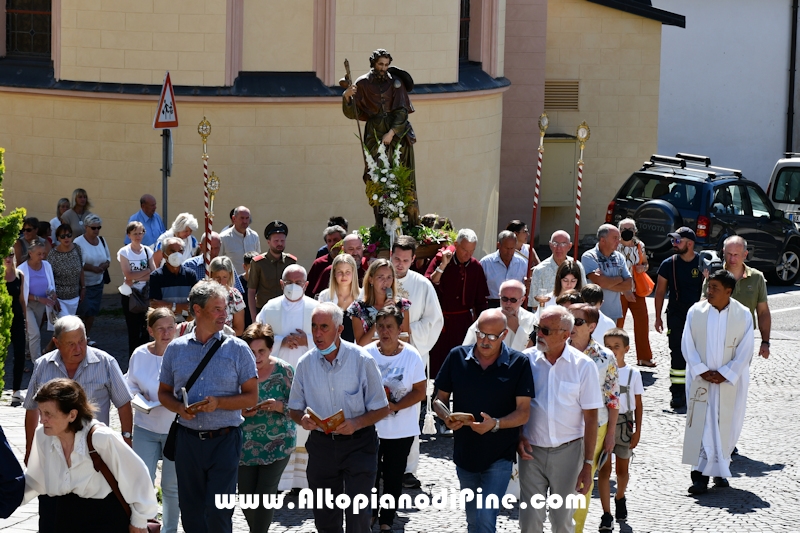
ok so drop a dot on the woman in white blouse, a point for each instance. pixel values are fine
(60, 466)
(150, 430)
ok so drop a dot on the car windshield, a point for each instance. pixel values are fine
(787, 186)
(643, 187)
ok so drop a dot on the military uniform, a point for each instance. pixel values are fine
(265, 276)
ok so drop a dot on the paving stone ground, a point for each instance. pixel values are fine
(765, 486)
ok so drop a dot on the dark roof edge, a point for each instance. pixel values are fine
(638, 8)
(38, 75)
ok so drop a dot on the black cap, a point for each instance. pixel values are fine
(276, 226)
(684, 233)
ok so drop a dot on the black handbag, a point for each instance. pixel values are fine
(106, 275)
(169, 445)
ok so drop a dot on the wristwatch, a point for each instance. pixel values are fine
(126, 434)
(588, 462)
(496, 425)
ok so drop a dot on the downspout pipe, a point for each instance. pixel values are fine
(792, 71)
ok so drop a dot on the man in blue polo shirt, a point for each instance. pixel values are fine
(153, 225)
(495, 385)
(170, 284)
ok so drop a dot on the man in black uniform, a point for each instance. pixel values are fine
(266, 270)
(681, 275)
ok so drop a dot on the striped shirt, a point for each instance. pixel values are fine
(352, 382)
(497, 272)
(98, 374)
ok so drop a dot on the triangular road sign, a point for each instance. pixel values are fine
(166, 114)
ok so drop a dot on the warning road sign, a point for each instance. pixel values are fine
(167, 113)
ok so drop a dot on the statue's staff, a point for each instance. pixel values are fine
(346, 83)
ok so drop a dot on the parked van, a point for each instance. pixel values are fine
(784, 186)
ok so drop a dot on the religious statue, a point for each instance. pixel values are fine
(380, 99)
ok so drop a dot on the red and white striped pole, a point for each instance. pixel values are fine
(583, 136)
(543, 121)
(204, 129)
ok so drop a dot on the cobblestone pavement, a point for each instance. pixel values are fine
(764, 487)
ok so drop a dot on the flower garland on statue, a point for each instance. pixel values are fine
(389, 188)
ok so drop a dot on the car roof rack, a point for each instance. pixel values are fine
(791, 155)
(681, 160)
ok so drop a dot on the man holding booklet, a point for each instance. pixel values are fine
(341, 382)
(492, 387)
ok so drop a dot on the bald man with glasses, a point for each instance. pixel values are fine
(520, 321)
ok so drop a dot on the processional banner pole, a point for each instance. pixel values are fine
(583, 136)
(543, 123)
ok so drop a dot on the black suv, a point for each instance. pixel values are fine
(685, 190)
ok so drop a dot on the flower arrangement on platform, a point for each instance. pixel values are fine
(429, 240)
(389, 188)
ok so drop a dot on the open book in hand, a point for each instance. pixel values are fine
(259, 406)
(142, 405)
(328, 425)
(444, 413)
(191, 408)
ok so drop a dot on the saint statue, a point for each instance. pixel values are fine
(380, 99)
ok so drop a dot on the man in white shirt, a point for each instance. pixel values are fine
(502, 265)
(520, 321)
(543, 275)
(239, 239)
(558, 441)
(290, 318)
(425, 320)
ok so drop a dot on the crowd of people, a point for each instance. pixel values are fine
(247, 370)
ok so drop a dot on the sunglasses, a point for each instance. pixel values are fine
(507, 299)
(545, 331)
(65, 236)
(96, 228)
(580, 321)
(28, 230)
(482, 335)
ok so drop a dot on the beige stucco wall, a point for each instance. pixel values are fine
(616, 56)
(421, 35)
(135, 41)
(297, 162)
(278, 36)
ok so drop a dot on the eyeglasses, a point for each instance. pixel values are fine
(559, 244)
(138, 234)
(96, 228)
(491, 337)
(506, 299)
(580, 321)
(65, 236)
(545, 331)
(28, 230)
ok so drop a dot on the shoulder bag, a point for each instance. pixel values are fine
(644, 284)
(153, 525)
(169, 445)
(106, 275)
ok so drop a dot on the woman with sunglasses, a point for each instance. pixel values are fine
(76, 215)
(96, 260)
(39, 293)
(61, 207)
(30, 235)
(14, 283)
(67, 262)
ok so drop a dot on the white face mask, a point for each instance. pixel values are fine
(292, 292)
(175, 259)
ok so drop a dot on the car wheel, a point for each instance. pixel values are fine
(788, 266)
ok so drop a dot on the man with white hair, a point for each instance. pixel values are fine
(170, 284)
(751, 287)
(95, 370)
(461, 286)
(520, 321)
(543, 275)
(346, 460)
(290, 318)
(238, 239)
(557, 443)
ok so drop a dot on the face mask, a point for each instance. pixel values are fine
(293, 292)
(626, 234)
(175, 259)
(329, 350)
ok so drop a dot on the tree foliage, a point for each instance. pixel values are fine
(9, 231)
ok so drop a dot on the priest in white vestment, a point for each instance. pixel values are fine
(718, 346)
(520, 320)
(290, 318)
(425, 320)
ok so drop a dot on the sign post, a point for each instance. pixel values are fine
(166, 117)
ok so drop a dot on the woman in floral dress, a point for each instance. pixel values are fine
(379, 289)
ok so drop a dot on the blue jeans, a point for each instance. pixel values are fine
(493, 480)
(149, 445)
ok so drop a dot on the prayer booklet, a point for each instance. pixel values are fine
(444, 413)
(191, 409)
(259, 405)
(144, 406)
(328, 425)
